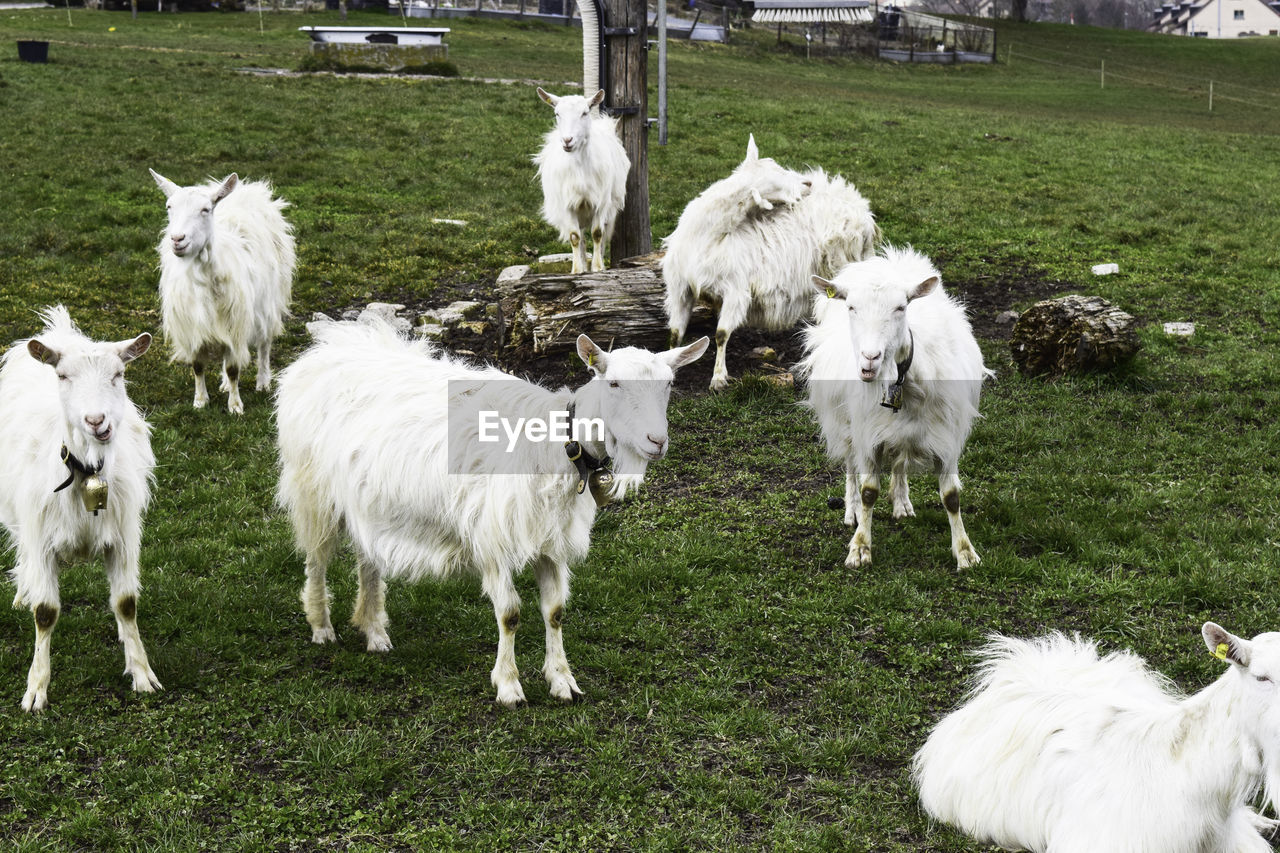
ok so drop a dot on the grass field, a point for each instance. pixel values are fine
(744, 690)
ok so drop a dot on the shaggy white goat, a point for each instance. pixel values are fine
(749, 243)
(226, 278)
(75, 478)
(1060, 751)
(887, 333)
(583, 166)
(384, 440)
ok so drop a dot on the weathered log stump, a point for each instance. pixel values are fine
(544, 314)
(1072, 334)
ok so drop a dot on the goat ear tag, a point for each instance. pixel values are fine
(1221, 652)
(94, 494)
(831, 292)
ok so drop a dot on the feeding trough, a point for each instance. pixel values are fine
(389, 48)
(377, 35)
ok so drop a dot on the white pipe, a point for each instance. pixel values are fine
(590, 48)
(662, 72)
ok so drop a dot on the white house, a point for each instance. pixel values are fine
(1219, 19)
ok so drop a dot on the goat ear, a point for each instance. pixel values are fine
(680, 356)
(228, 184)
(753, 153)
(166, 186)
(592, 356)
(598, 98)
(1226, 646)
(827, 288)
(42, 353)
(924, 288)
(547, 97)
(129, 350)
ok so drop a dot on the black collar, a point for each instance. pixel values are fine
(75, 466)
(893, 394)
(591, 470)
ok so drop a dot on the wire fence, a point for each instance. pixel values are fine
(1212, 90)
(896, 37)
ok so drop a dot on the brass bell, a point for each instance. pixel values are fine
(892, 397)
(601, 482)
(94, 493)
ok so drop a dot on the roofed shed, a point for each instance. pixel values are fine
(811, 11)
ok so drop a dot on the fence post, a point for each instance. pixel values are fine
(1102, 75)
(628, 92)
(1210, 96)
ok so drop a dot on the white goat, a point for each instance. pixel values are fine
(749, 243)
(73, 441)
(383, 439)
(887, 333)
(1060, 751)
(226, 278)
(583, 166)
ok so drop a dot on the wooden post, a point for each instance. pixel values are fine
(628, 65)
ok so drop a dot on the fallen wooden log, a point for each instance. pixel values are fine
(544, 314)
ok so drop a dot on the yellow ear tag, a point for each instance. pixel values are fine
(591, 360)
(831, 293)
(1221, 652)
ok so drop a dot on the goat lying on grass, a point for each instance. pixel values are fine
(1058, 750)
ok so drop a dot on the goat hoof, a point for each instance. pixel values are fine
(379, 644)
(511, 696)
(35, 701)
(859, 556)
(236, 408)
(967, 559)
(567, 690)
(719, 383)
(904, 511)
(320, 636)
(198, 403)
(144, 681)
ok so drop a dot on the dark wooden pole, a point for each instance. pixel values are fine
(628, 70)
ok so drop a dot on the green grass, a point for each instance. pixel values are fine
(744, 690)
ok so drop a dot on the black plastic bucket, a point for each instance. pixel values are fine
(33, 51)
